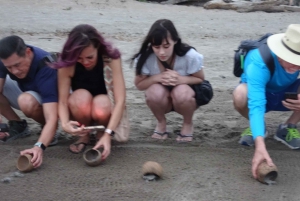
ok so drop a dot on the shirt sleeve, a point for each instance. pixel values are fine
(195, 63)
(258, 75)
(146, 66)
(47, 84)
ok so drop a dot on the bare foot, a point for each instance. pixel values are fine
(186, 133)
(160, 131)
(80, 145)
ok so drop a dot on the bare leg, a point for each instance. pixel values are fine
(6, 109)
(80, 105)
(101, 109)
(240, 100)
(183, 98)
(158, 100)
(31, 107)
(101, 112)
(294, 118)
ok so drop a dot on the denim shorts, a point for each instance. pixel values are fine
(274, 99)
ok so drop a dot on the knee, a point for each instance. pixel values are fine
(101, 108)
(80, 101)
(180, 94)
(80, 105)
(239, 100)
(28, 104)
(155, 94)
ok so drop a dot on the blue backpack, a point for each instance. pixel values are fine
(247, 45)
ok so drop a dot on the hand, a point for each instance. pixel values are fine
(292, 104)
(37, 155)
(260, 155)
(105, 142)
(75, 128)
(170, 78)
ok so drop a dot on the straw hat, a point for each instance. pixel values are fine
(287, 45)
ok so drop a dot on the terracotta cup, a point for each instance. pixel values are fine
(92, 157)
(267, 174)
(24, 163)
(152, 168)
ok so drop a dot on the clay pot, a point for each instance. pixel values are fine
(92, 157)
(267, 174)
(152, 168)
(24, 163)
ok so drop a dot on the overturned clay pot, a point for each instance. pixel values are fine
(267, 174)
(24, 163)
(92, 157)
(152, 170)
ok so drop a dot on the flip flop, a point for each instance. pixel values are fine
(184, 136)
(161, 134)
(77, 144)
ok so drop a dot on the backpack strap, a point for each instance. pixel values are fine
(52, 57)
(266, 54)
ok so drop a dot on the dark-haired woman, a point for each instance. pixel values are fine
(81, 68)
(166, 68)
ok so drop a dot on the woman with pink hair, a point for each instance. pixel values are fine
(81, 69)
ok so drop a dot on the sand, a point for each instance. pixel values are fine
(212, 167)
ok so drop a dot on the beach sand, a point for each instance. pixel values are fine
(212, 167)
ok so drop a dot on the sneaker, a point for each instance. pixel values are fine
(17, 129)
(288, 135)
(247, 138)
(55, 139)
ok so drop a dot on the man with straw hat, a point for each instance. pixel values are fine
(261, 91)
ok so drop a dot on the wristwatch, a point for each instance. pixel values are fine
(40, 145)
(109, 131)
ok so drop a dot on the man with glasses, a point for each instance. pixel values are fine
(29, 85)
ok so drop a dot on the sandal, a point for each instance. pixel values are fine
(76, 145)
(161, 134)
(184, 136)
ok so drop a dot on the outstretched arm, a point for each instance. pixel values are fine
(48, 132)
(260, 154)
(64, 85)
(119, 99)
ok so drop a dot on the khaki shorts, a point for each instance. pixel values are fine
(12, 91)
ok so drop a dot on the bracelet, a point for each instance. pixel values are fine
(109, 131)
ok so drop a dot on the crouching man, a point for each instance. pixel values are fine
(29, 85)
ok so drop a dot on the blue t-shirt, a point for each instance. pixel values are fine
(43, 80)
(259, 81)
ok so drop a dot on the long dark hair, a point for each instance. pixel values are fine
(157, 33)
(79, 38)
